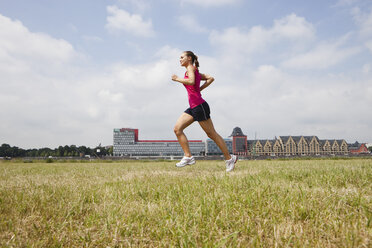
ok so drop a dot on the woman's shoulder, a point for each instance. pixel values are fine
(192, 68)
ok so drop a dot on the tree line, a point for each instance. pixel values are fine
(62, 151)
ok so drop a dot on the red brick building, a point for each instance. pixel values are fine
(358, 148)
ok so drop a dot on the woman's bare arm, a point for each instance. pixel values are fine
(188, 81)
(208, 80)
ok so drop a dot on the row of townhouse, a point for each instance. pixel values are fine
(296, 146)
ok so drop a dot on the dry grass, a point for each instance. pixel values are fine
(309, 203)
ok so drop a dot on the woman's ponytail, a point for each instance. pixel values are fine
(196, 62)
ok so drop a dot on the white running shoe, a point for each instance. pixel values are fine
(230, 164)
(186, 161)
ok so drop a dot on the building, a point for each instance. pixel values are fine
(239, 142)
(358, 148)
(286, 146)
(297, 146)
(213, 149)
(126, 143)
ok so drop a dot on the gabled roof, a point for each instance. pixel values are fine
(263, 142)
(296, 138)
(310, 138)
(355, 145)
(322, 142)
(284, 139)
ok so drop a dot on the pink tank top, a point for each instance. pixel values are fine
(193, 91)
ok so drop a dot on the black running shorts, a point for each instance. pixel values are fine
(200, 112)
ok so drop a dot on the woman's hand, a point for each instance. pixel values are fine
(208, 80)
(174, 77)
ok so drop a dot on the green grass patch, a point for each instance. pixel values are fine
(292, 203)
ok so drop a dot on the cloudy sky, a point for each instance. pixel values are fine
(72, 70)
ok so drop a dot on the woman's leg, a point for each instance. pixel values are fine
(211, 132)
(183, 121)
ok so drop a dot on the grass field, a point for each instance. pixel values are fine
(293, 203)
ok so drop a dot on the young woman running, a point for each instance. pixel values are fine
(198, 111)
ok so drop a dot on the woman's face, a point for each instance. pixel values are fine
(184, 59)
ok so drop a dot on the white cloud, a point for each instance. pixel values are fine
(191, 24)
(363, 20)
(107, 95)
(210, 3)
(273, 100)
(138, 5)
(291, 27)
(366, 69)
(235, 39)
(322, 56)
(278, 103)
(168, 53)
(369, 45)
(121, 20)
(18, 42)
(50, 101)
(345, 2)
(367, 25)
(90, 38)
(38, 76)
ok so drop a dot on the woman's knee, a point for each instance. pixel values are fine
(177, 130)
(212, 135)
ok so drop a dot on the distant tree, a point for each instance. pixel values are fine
(82, 149)
(61, 151)
(74, 151)
(67, 150)
(42, 153)
(18, 152)
(5, 150)
(32, 153)
(111, 150)
(102, 151)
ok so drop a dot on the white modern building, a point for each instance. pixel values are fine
(126, 143)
